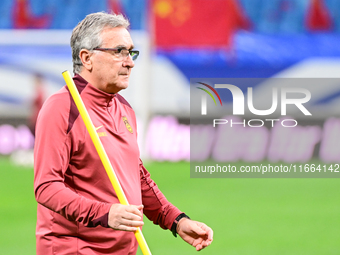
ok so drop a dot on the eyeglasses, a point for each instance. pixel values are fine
(120, 53)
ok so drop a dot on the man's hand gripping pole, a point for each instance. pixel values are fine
(102, 154)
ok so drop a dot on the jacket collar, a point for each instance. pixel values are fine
(98, 97)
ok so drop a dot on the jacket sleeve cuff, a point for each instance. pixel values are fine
(102, 220)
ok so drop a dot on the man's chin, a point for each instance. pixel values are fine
(122, 86)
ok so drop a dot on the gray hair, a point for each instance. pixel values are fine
(87, 34)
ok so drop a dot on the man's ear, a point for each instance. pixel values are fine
(85, 57)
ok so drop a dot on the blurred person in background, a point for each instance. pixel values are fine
(78, 210)
(38, 100)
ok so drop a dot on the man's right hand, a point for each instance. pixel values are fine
(125, 217)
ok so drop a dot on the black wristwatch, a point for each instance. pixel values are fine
(174, 225)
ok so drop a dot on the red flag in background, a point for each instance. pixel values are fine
(196, 22)
(115, 6)
(318, 16)
(23, 18)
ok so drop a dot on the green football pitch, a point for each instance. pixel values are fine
(248, 216)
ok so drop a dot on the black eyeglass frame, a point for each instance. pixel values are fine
(133, 53)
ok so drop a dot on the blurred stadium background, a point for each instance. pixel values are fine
(179, 40)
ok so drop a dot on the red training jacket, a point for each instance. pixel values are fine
(73, 191)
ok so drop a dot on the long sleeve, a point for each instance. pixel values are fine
(156, 207)
(53, 150)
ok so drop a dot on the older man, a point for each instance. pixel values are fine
(78, 210)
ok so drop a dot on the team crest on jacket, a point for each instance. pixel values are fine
(127, 124)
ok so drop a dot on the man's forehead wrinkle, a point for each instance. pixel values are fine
(112, 42)
(123, 33)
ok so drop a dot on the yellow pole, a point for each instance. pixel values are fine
(102, 154)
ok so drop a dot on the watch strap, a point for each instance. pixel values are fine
(174, 225)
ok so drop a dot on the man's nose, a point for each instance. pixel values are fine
(128, 62)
